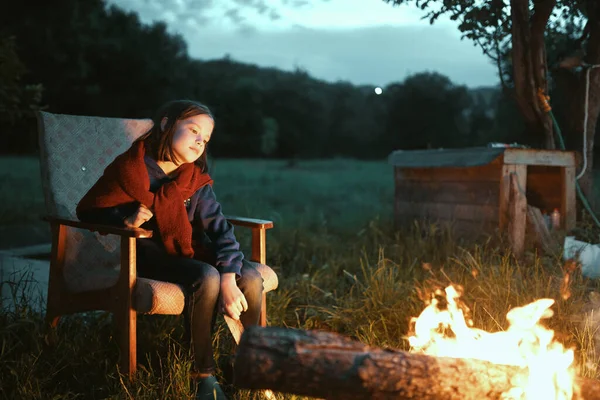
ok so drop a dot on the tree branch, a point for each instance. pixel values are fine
(499, 64)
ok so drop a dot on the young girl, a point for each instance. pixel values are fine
(160, 183)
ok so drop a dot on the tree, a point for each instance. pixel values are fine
(524, 31)
(356, 122)
(17, 101)
(300, 108)
(426, 110)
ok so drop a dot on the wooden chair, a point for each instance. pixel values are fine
(93, 267)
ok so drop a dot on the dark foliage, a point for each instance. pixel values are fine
(93, 59)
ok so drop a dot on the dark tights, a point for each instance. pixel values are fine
(202, 283)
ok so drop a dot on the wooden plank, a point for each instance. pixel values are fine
(476, 192)
(263, 311)
(102, 229)
(259, 245)
(250, 222)
(537, 224)
(568, 204)
(518, 209)
(56, 280)
(259, 255)
(504, 196)
(125, 314)
(490, 172)
(539, 157)
(447, 211)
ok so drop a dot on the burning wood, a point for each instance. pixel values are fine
(448, 360)
(331, 366)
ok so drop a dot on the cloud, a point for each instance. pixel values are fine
(244, 15)
(170, 11)
(204, 12)
(375, 55)
(368, 55)
(240, 22)
(260, 7)
(295, 3)
(234, 15)
(274, 15)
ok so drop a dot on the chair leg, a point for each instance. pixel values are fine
(56, 282)
(263, 310)
(127, 324)
(124, 312)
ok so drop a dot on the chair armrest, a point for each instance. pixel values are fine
(259, 235)
(250, 222)
(138, 233)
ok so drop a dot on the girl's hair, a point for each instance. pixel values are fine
(159, 142)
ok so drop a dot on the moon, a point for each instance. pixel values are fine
(378, 90)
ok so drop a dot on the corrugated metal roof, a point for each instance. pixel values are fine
(465, 157)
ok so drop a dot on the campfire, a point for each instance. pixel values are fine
(546, 366)
(448, 359)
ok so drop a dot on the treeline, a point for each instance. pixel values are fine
(88, 58)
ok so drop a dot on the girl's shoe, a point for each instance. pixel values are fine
(209, 389)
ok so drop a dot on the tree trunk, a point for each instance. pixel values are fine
(328, 365)
(529, 66)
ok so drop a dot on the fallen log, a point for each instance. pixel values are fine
(331, 366)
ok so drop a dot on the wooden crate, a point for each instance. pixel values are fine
(483, 188)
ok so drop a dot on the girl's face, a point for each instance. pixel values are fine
(191, 136)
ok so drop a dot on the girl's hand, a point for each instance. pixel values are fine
(233, 301)
(142, 215)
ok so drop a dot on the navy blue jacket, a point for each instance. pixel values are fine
(211, 228)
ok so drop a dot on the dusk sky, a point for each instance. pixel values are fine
(360, 41)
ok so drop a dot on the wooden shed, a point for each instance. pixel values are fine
(481, 188)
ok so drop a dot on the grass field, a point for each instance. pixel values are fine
(338, 193)
(341, 268)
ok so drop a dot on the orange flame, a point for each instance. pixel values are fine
(441, 330)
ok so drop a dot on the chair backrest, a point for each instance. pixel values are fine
(74, 151)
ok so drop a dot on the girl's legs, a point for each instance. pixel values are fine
(251, 285)
(202, 284)
(201, 311)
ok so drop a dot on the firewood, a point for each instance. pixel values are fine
(331, 366)
(540, 230)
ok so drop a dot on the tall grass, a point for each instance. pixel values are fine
(341, 268)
